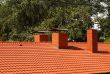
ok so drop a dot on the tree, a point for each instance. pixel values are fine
(23, 17)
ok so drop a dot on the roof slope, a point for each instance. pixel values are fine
(35, 58)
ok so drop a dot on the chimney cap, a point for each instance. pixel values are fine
(58, 30)
(42, 32)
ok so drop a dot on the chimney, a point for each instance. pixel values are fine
(92, 38)
(41, 37)
(59, 39)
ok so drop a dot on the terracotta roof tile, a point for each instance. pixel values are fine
(43, 58)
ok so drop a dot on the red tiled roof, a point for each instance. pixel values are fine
(43, 58)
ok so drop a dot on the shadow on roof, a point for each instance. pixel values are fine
(103, 52)
(74, 48)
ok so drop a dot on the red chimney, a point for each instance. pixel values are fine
(59, 39)
(41, 38)
(92, 40)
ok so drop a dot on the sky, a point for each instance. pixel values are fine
(101, 15)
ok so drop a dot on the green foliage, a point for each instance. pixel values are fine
(107, 39)
(20, 18)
